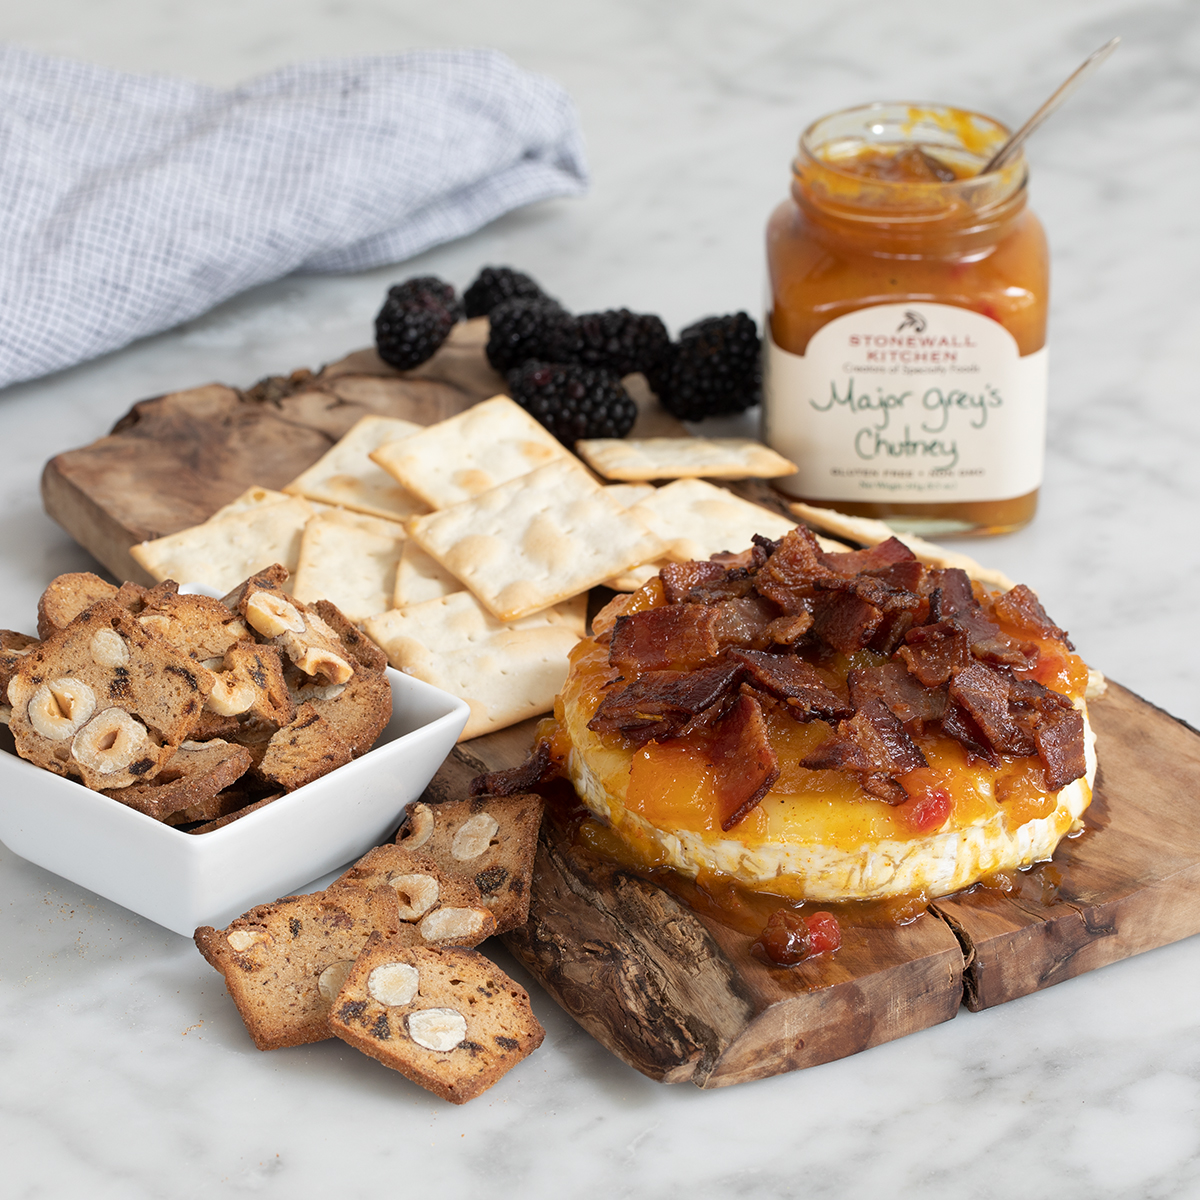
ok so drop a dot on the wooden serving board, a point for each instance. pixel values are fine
(677, 994)
(672, 991)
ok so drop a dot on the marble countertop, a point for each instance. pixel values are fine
(126, 1071)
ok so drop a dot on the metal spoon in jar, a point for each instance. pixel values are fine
(1072, 81)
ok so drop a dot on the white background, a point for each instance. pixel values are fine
(126, 1072)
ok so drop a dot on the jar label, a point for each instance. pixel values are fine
(912, 402)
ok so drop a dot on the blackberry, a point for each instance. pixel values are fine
(525, 329)
(714, 368)
(416, 318)
(494, 285)
(618, 340)
(573, 401)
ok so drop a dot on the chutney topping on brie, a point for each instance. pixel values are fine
(738, 636)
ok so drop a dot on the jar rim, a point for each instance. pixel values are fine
(968, 135)
(924, 113)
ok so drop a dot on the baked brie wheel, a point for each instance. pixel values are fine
(829, 726)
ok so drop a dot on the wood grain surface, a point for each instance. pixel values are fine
(172, 461)
(671, 990)
(1129, 883)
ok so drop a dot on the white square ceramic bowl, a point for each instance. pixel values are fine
(184, 880)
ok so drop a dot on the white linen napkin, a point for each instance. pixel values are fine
(131, 203)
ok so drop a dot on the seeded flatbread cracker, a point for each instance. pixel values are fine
(222, 552)
(458, 459)
(536, 540)
(505, 672)
(682, 458)
(349, 558)
(345, 475)
(420, 577)
(869, 532)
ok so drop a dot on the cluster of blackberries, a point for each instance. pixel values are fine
(566, 370)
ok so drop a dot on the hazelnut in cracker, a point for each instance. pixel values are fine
(448, 1019)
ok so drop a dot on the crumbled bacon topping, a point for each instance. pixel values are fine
(746, 633)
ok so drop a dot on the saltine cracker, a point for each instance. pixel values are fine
(504, 671)
(223, 552)
(466, 455)
(682, 458)
(346, 476)
(420, 577)
(536, 540)
(349, 558)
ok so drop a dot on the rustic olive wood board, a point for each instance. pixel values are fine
(173, 460)
(671, 991)
(678, 995)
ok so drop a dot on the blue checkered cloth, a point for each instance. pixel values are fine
(131, 203)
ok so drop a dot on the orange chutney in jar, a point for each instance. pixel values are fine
(905, 368)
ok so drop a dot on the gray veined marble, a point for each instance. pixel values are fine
(126, 1072)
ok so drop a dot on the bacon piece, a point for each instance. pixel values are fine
(539, 767)
(1057, 729)
(734, 586)
(1021, 607)
(911, 704)
(845, 621)
(787, 576)
(744, 764)
(907, 575)
(991, 713)
(659, 705)
(984, 693)
(951, 592)
(891, 632)
(680, 578)
(885, 788)
(872, 559)
(953, 596)
(745, 622)
(752, 558)
(672, 637)
(933, 653)
(797, 683)
(961, 726)
(849, 614)
(1059, 737)
(872, 742)
(789, 629)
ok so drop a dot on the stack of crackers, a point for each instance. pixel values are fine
(466, 549)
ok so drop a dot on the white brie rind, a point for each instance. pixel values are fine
(934, 864)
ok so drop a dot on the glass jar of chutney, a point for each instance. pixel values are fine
(905, 359)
